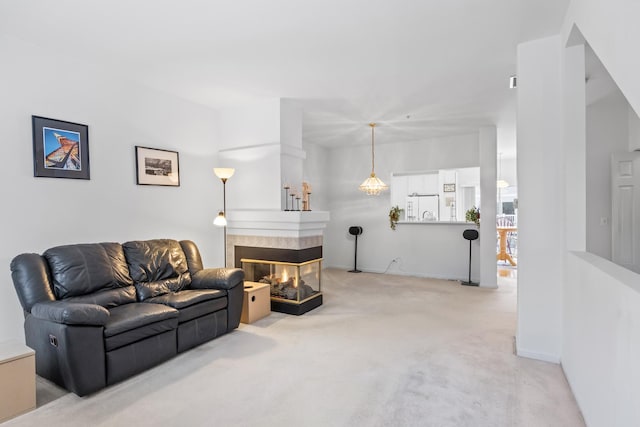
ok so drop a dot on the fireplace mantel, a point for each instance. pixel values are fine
(295, 230)
(276, 223)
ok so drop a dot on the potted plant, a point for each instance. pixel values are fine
(394, 216)
(473, 215)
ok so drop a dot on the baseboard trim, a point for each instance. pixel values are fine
(402, 273)
(545, 357)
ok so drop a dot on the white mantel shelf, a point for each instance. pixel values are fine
(277, 223)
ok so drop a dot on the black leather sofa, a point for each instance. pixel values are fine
(98, 313)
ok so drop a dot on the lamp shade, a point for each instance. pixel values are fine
(220, 220)
(373, 186)
(224, 173)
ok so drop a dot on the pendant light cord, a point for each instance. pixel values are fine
(373, 155)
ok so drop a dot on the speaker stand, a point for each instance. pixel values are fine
(469, 282)
(355, 259)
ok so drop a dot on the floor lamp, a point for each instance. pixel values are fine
(221, 220)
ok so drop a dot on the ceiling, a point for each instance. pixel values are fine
(418, 68)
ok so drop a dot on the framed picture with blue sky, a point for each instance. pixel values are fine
(60, 149)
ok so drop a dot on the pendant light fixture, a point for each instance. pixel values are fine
(373, 186)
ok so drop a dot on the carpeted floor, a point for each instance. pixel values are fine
(383, 350)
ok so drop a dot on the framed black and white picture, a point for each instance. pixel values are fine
(60, 149)
(157, 167)
(449, 188)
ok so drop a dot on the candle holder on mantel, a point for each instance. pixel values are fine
(306, 192)
(307, 206)
(286, 196)
(298, 202)
(293, 195)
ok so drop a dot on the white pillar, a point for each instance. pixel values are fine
(488, 268)
(292, 155)
(250, 137)
(541, 213)
(575, 148)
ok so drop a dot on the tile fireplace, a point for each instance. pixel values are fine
(283, 249)
(295, 287)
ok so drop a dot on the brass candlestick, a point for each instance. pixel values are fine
(286, 196)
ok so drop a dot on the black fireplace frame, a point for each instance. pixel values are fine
(296, 256)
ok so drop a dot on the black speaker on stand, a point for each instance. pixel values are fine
(356, 230)
(470, 235)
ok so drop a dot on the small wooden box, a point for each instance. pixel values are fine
(256, 303)
(17, 379)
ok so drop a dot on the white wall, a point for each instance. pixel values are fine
(611, 29)
(509, 174)
(509, 170)
(250, 143)
(607, 132)
(256, 181)
(424, 250)
(256, 123)
(634, 130)
(601, 348)
(263, 142)
(316, 169)
(39, 213)
(541, 191)
(601, 325)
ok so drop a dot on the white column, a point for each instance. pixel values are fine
(487, 152)
(575, 148)
(250, 137)
(291, 155)
(541, 181)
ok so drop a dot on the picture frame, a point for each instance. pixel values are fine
(60, 149)
(155, 166)
(449, 188)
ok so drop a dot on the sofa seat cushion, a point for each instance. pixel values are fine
(186, 298)
(130, 323)
(108, 298)
(192, 304)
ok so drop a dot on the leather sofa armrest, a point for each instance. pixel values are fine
(69, 313)
(217, 278)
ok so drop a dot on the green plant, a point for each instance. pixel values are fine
(473, 215)
(394, 216)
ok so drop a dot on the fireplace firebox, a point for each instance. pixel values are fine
(295, 286)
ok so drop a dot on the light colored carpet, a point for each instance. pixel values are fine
(383, 350)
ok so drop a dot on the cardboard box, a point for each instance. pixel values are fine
(17, 379)
(256, 303)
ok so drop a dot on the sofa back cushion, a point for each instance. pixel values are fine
(157, 266)
(87, 268)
